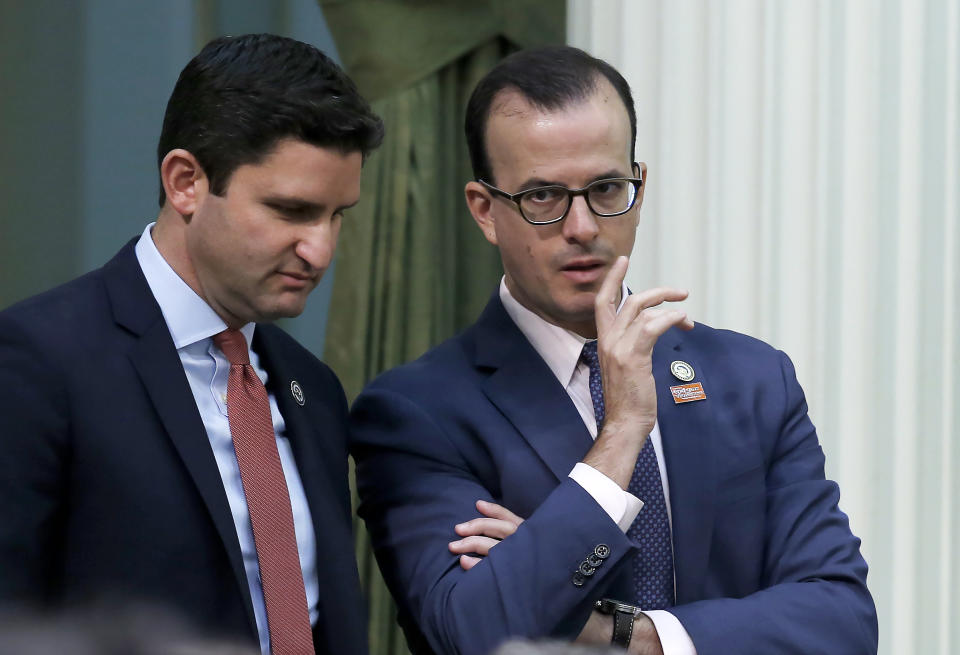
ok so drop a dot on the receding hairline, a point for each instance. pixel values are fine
(597, 84)
(512, 101)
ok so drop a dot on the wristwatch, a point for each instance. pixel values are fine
(623, 616)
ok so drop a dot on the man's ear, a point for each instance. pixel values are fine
(643, 187)
(639, 170)
(480, 204)
(183, 179)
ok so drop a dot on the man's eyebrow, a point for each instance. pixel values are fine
(612, 173)
(286, 203)
(292, 202)
(534, 182)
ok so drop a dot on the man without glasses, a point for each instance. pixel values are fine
(162, 442)
(670, 483)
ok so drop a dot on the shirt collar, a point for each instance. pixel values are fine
(189, 318)
(560, 348)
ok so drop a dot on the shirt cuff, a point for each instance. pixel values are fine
(620, 505)
(674, 640)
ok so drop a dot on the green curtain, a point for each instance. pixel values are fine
(388, 45)
(412, 268)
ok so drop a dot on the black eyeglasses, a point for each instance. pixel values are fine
(549, 204)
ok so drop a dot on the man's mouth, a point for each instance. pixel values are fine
(295, 279)
(584, 270)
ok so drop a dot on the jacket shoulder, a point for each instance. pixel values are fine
(440, 366)
(723, 342)
(62, 312)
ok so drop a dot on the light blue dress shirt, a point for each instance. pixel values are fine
(192, 324)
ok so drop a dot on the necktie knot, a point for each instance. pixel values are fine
(234, 346)
(590, 355)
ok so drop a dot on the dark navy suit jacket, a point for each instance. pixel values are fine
(765, 561)
(109, 490)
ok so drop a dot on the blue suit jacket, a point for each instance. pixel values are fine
(765, 561)
(108, 486)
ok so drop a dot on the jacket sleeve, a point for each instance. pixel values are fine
(33, 434)
(813, 596)
(415, 486)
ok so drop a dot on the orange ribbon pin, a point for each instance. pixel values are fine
(687, 393)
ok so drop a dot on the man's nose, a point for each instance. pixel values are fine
(317, 244)
(580, 225)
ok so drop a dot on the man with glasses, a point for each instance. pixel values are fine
(588, 464)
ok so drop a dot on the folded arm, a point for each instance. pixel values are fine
(415, 486)
(814, 597)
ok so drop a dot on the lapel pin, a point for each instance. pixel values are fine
(297, 392)
(687, 393)
(682, 371)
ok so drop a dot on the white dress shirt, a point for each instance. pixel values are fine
(192, 324)
(561, 349)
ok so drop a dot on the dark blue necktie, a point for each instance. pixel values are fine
(653, 564)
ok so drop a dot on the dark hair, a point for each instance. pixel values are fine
(241, 95)
(550, 78)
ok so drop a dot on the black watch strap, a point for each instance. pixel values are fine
(623, 617)
(622, 629)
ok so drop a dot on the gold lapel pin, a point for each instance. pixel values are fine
(682, 371)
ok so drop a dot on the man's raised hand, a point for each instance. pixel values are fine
(625, 343)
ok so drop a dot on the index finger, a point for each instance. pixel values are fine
(660, 295)
(605, 304)
(495, 511)
(495, 528)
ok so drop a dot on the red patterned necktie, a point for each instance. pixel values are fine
(248, 411)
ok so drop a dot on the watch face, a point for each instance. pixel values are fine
(611, 606)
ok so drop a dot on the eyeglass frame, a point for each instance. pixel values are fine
(571, 194)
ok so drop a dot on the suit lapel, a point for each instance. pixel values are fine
(525, 390)
(308, 426)
(687, 430)
(156, 361)
(312, 429)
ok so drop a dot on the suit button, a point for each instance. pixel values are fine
(594, 560)
(578, 579)
(602, 551)
(585, 569)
